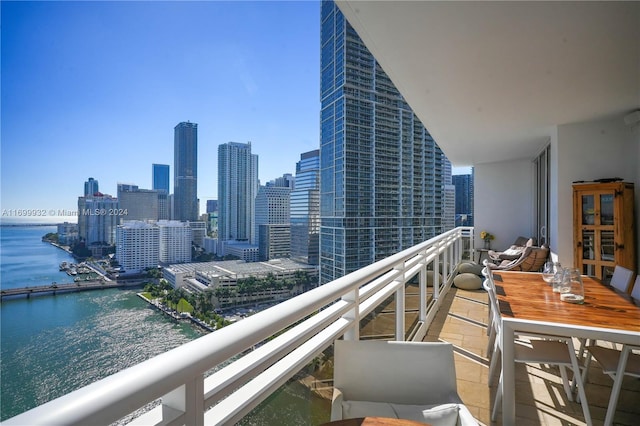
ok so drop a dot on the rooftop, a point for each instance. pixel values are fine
(240, 267)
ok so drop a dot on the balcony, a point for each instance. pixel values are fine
(221, 377)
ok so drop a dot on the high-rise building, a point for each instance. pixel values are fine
(97, 219)
(305, 209)
(137, 204)
(449, 205)
(382, 174)
(175, 241)
(273, 208)
(137, 246)
(284, 181)
(212, 206)
(237, 190)
(90, 187)
(160, 177)
(185, 169)
(464, 199)
(198, 232)
(164, 205)
(275, 241)
(67, 233)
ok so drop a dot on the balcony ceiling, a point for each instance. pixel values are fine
(491, 79)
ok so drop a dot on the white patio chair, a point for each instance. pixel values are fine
(406, 380)
(635, 291)
(541, 349)
(609, 360)
(621, 278)
(605, 353)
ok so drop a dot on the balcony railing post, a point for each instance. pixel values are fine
(187, 399)
(472, 246)
(445, 261)
(353, 315)
(436, 274)
(195, 401)
(400, 304)
(422, 278)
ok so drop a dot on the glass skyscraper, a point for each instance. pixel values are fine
(161, 177)
(305, 209)
(237, 190)
(185, 169)
(464, 199)
(382, 175)
(90, 187)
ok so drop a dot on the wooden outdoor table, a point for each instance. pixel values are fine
(528, 304)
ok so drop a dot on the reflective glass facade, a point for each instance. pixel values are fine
(185, 167)
(305, 209)
(464, 199)
(382, 175)
(160, 177)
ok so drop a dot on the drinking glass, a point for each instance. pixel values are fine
(549, 271)
(572, 288)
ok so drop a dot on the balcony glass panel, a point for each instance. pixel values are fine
(303, 400)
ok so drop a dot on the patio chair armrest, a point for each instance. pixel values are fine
(336, 404)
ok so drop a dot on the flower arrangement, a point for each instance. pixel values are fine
(484, 235)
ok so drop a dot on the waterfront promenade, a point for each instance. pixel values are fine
(62, 288)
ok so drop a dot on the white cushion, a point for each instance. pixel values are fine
(356, 409)
(472, 268)
(435, 415)
(513, 252)
(467, 281)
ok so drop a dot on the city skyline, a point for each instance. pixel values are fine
(99, 95)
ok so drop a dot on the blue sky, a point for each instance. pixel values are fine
(96, 88)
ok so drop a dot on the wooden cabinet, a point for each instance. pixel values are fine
(603, 228)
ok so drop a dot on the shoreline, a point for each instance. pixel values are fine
(61, 247)
(175, 316)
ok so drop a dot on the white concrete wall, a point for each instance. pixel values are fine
(587, 151)
(504, 201)
(635, 140)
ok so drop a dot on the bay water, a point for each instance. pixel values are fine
(52, 345)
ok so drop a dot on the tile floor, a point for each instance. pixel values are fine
(540, 398)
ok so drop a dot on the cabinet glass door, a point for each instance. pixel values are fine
(588, 210)
(607, 246)
(588, 245)
(606, 209)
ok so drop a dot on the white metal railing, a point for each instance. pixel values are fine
(312, 320)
